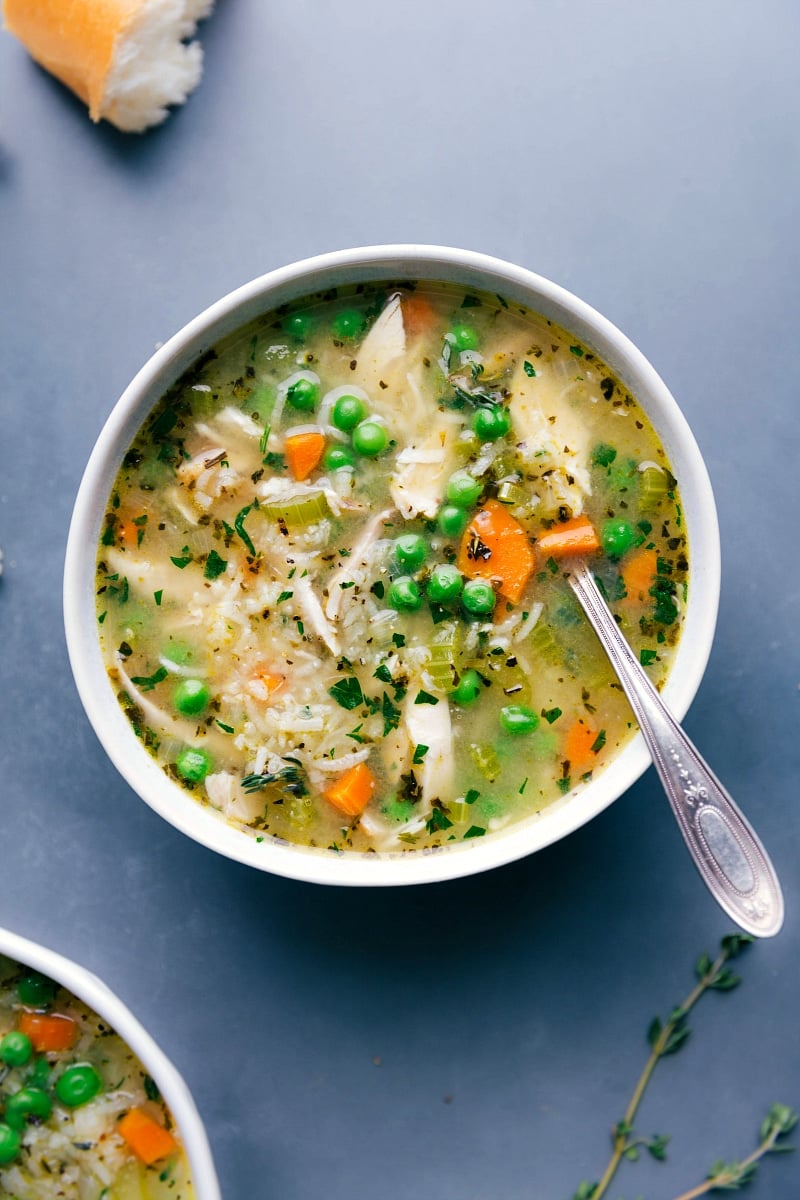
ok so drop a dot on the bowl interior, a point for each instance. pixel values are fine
(93, 992)
(387, 263)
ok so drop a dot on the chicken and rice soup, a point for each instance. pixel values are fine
(330, 583)
(80, 1119)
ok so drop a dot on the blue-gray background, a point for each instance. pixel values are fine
(473, 1040)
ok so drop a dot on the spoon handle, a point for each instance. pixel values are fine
(723, 844)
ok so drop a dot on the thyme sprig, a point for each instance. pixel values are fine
(730, 1176)
(291, 778)
(666, 1037)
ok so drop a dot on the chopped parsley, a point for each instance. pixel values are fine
(148, 682)
(347, 693)
(215, 565)
(419, 754)
(424, 697)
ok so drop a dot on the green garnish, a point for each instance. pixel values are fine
(347, 692)
(215, 565)
(148, 682)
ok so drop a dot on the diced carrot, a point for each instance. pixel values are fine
(576, 536)
(303, 452)
(578, 744)
(496, 547)
(264, 683)
(127, 533)
(352, 791)
(48, 1031)
(148, 1140)
(638, 574)
(418, 314)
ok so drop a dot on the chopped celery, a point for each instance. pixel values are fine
(653, 488)
(486, 760)
(467, 445)
(543, 643)
(300, 810)
(509, 492)
(458, 810)
(298, 510)
(444, 653)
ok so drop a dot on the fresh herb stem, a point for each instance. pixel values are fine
(779, 1122)
(666, 1038)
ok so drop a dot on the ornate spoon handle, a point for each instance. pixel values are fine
(723, 844)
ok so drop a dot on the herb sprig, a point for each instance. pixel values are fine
(666, 1037)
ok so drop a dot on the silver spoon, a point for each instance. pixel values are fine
(723, 844)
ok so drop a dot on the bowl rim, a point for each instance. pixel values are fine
(389, 263)
(103, 1001)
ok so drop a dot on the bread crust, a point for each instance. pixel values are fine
(75, 40)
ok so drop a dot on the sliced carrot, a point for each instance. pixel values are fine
(48, 1031)
(352, 791)
(303, 453)
(578, 744)
(148, 1140)
(418, 314)
(266, 683)
(496, 547)
(638, 574)
(576, 536)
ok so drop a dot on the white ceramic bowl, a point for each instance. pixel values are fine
(93, 992)
(389, 263)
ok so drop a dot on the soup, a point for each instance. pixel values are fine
(80, 1118)
(331, 580)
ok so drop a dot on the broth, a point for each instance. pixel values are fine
(330, 584)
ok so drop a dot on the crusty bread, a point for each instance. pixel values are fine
(128, 60)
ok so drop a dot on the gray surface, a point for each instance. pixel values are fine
(646, 157)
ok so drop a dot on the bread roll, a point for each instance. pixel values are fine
(128, 60)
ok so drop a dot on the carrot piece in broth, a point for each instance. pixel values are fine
(638, 574)
(579, 744)
(496, 547)
(303, 453)
(352, 791)
(148, 1140)
(576, 536)
(48, 1031)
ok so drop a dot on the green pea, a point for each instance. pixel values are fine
(15, 1049)
(464, 337)
(35, 990)
(370, 438)
(517, 718)
(462, 489)
(303, 395)
(298, 325)
(190, 697)
(10, 1143)
(193, 765)
(347, 412)
(468, 688)
(404, 593)
(478, 598)
(337, 457)
(445, 584)
(27, 1102)
(410, 551)
(616, 537)
(348, 324)
(452, 520)
(78, 1085)
(491, 422)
